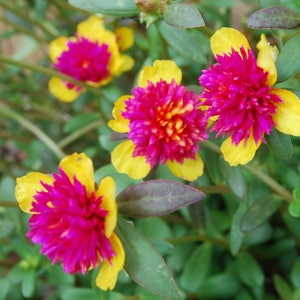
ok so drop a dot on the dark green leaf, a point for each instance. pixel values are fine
(236, 235)
(294, 207)
(288, 60)
(120, 8)
(254, 275)
(156, 198)
(259, 212)
(197, 215)
(280, 144)
(196, 269)
(183, 15)
(282, 288)
(235, 179)
(274, 17)
(182, 42)
(28, 283)
(295, 274)
(78, 294)
(145, 265)
(80, 121)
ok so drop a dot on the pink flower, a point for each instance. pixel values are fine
(72, 220)
(164, 123)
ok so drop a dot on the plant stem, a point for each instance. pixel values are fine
(6, 111)
(12, 204)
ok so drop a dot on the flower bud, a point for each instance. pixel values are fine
(151, 6)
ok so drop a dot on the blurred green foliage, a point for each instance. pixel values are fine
(240, 242)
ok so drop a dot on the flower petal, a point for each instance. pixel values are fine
(225, 39)
(124, 162)
(119, 124)
(57, 47)
(108, 274)
(161, 69)
(287, 117)
(107, 189)
(190, 169)
(240, 154)
(58, 88)
(81, 166)
(27, 186)
(92, 28)
(266, 59)
(125, 38)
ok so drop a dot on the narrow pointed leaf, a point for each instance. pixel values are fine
(183, 15)
(259, 212)
(274, 17)
(288, 60)
(156, 198)
(120, 8)
(280, 144)
(282, 288)
(294, 207)
(145, 265)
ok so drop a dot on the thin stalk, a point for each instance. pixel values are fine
(11, 204)
(6, 111)
(47, 71)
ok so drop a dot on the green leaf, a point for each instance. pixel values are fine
(236, 235)
(196, 269)
(80, 121)
(122, 8)
(156, 198)
(294, 207)
(248, 270)
(288, 60)
(274, 17)
(183, 15)
(280, 144)
(259, 212)
(182, 42)
(145, 265)
(78, 294)
(282, 288)
(235, 179)
(295, 274)
(28, 283)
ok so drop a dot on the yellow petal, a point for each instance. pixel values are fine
(27, 186)
(125, 38)
(225, 39)
(108, 274)
(81, 166)
(240, 154)
(266, 59)
(92, 28)
(122, 160)
(161, 69)
(107, 189)
(287, 117)
(190, 169)
(57, 47)
(58, 88)
(125, 64)
(119, 124)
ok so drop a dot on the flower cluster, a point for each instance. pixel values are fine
(94, 55)
(72, 220)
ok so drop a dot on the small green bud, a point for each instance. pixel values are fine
(153, 7)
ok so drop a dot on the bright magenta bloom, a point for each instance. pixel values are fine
(93, 56)
(240, 98)
(164, 123)
(73, 221)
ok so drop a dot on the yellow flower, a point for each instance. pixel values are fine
(163, 122)
(241, 98)
(94, 56)
(73, 220)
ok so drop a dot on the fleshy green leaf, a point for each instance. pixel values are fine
(294, 207)
(259, 212)
(145, 265)
(282, 288)
(80, 121)
(236, 235)
(288, 60)
(280, 144)
(183, 15)
(295, 274)
(78, 294)
(235, 179)
(182, 42)
(156, 198)
(121, 8)
(248, 270)
(197, 267)
(28, 283)
(274, 17)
